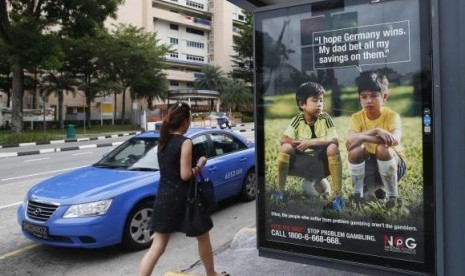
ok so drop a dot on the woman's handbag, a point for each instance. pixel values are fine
(207, 193)
(197, 220)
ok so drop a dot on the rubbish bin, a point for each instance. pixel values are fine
(71, 131)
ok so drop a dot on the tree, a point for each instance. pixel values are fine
(150, 87)
(299, 77)
(59, 83)
(243, 61)
(134, 55)
(25, 29)
(235, 95)
(82, 61)
(5, 78)
(211, 78)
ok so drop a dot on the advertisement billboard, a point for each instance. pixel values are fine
(344, 132)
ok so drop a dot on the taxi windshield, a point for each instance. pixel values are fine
(134, 154)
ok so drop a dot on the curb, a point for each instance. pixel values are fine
(244, 239)
(51, 150)
(67, 140)
(15, 154)
(4, 146)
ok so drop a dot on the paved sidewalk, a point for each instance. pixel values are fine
(241, 258)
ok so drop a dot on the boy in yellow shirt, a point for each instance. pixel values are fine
(309, 145)
(373, 143)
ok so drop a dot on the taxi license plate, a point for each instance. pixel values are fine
(36, 230)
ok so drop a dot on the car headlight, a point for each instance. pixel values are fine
(90, 209)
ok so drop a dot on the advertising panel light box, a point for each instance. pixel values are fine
(344, 132)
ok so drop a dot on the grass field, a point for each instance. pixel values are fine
(278, 113)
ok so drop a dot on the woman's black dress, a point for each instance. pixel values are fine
(170, 204)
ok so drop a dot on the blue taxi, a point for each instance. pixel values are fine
(110, 202)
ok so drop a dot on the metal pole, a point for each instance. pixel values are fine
(43, 104)
(101, 113)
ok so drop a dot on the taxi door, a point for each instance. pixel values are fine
(228, 164)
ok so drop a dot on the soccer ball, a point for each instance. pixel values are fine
(314, 188)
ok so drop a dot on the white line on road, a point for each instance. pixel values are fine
(81, 153)
(38, 159)
(42, 173)
(16, 252)
(10, 205)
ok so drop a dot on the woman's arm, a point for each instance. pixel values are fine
(186, 160)
(187, 172)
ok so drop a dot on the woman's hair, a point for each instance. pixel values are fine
(177, 115)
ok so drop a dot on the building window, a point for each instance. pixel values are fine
(190, 84)
(174, 83)
(30, 102)
(194, 31)
(194, 44)
(241, 17)
(174, 27)
(174, 55)
(195, 58)
(194, 4)
(174, 41)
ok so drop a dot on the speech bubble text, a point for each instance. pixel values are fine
(363, 45)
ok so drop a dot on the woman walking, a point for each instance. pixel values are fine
(176, 172)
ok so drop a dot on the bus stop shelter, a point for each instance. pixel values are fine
(445, 60)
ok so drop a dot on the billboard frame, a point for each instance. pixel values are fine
(327, 257)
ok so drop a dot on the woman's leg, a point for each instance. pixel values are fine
(157, 249)
(206, 254)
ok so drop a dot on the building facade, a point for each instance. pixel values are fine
(199, 31)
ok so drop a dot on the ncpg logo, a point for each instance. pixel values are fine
(399, 242)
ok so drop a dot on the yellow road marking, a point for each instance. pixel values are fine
(250, 229)
(12, 253)
(170, 273)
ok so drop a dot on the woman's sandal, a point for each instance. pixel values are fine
(223, 273)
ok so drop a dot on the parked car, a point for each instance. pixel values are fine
(111, 201)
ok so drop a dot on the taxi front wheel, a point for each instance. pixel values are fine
(137, 233)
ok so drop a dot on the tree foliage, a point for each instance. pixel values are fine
(58, 83)
(30, 31)
(5, 79)
(82, 55)
(150, 87)
(211, 78)
(134, 59)
(243, 61)
(235, 95)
